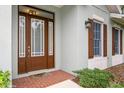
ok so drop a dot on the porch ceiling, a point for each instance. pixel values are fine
(114, 8)
(118, 19)
(59, 6)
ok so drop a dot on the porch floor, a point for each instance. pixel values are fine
(118, 72)
(42, 80)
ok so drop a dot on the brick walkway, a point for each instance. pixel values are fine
(118, 72)
(42, 80)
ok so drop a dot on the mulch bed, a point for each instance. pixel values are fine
(76, 80)
(118, 72)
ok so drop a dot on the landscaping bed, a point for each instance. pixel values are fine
(118, 72)
(96, 78)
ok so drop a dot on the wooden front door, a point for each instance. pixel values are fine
(36, 43)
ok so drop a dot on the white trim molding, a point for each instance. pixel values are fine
(117, 59)
(99, 62)
(35, 72)
(115, 15)
(96, 17)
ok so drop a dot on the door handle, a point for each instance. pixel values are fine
(28, 47)
(28, 51)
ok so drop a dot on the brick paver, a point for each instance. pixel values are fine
(42, 81)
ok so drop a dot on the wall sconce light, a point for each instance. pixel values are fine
(88, 24)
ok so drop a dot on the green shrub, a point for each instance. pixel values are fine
(116, 85)
(4, 79)
(95, 78)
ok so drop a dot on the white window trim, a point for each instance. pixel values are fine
(97, 57)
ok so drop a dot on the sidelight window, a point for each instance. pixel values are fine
(22, 36)
(50, 37)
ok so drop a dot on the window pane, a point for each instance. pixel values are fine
(37, 37)
(50, 36)
(97, 39)
(97, 51)
(21, 36)
(116, 42)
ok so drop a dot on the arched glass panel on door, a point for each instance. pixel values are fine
(37, 37)
(22, 36)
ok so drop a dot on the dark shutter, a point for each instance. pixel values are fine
(121, 50)
(90, 40)
(113, 44)
(105, 40)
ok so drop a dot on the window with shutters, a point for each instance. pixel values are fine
(97, 38)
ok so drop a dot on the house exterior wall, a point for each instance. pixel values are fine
(71, 38)
(102, 13)
(15, 40)
(75, 38)
(5, 38)
(69, 33)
